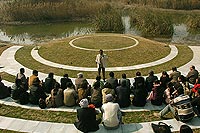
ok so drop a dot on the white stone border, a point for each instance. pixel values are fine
(173, 54)
(136, 43)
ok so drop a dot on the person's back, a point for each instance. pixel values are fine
(57, 94)
(4, 90)
(36, 92)
(111, 113)
(149, 81)
(113, 81)
(192, 75)
(123, 95)
(174, 75)
(70, 96)
(140, 92)
(86, 118)
(107, 90)
(96, 95)
(49, 83)
(64, 81)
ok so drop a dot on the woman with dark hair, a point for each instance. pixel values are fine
(164, 79)
(150, 80)
(83, 91)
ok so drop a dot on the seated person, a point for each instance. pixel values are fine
(107, 90)
(196, 103)
(150, 80)
(123, 95)
(32, 77)
(64, 80)
(70, 95)
(79, 80)
(86, 118)
(49, 83)
(96, 95)
(180, 107)
(4, 90)
(139, 91)
(156, 95)
(112, 116)
(83, 91)
(168, 93)
(36, 92)
(57, 95)
(112, 80)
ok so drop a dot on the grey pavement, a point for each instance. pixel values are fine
(11, 66)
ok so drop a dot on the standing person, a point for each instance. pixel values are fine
(101, 60)
(86, 118)
(192, 75)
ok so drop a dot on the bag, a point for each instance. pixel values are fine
(42, 103)
(24, 98)
(161, 127)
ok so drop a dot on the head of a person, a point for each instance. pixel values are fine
(151, 73)
(84, 84)
(192, 67)
(51, 75)
(101, 52)
(156, 82)
(138, 73)
(164, 73)
(109, 98)
(185, 129)
(65, 75)
(98, 77)
(35, 72)
(174, 69)
(182, 78)
(123, 83)
(69, 84)
(22, 70)
(56, 85)
(111, 74)
(96, 85)
(83, 103)
(180, 90)
(36, 81)
(108, 85)
(124, 76)
(80, 75)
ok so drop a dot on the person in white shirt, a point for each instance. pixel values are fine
(101, 60)
(112, 116)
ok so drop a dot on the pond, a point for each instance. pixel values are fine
(37, 33)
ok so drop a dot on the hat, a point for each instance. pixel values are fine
(83, 103)
(109, 97)
(80, 75)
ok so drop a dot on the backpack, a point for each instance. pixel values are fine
(24, 98)
(184, 109)
(161, 127)
(42, 103)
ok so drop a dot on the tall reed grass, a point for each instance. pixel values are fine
(169, 4)
(193, 22)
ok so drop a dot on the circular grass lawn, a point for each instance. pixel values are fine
(53, 50)
(146, 51)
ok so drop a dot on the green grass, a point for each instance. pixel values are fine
(64, 53)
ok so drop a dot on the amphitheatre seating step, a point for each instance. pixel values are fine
(50, 127)
(131, 108)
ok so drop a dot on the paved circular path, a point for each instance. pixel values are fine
(173, 54)
(117, 49)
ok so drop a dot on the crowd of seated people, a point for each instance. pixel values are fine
(106, 94)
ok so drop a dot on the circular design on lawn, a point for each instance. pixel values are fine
(71, 43)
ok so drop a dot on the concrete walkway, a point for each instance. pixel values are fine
(11, 66)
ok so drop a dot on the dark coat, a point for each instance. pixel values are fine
(36, 93)
(64, 81)
(123, 96)
(86, 120)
